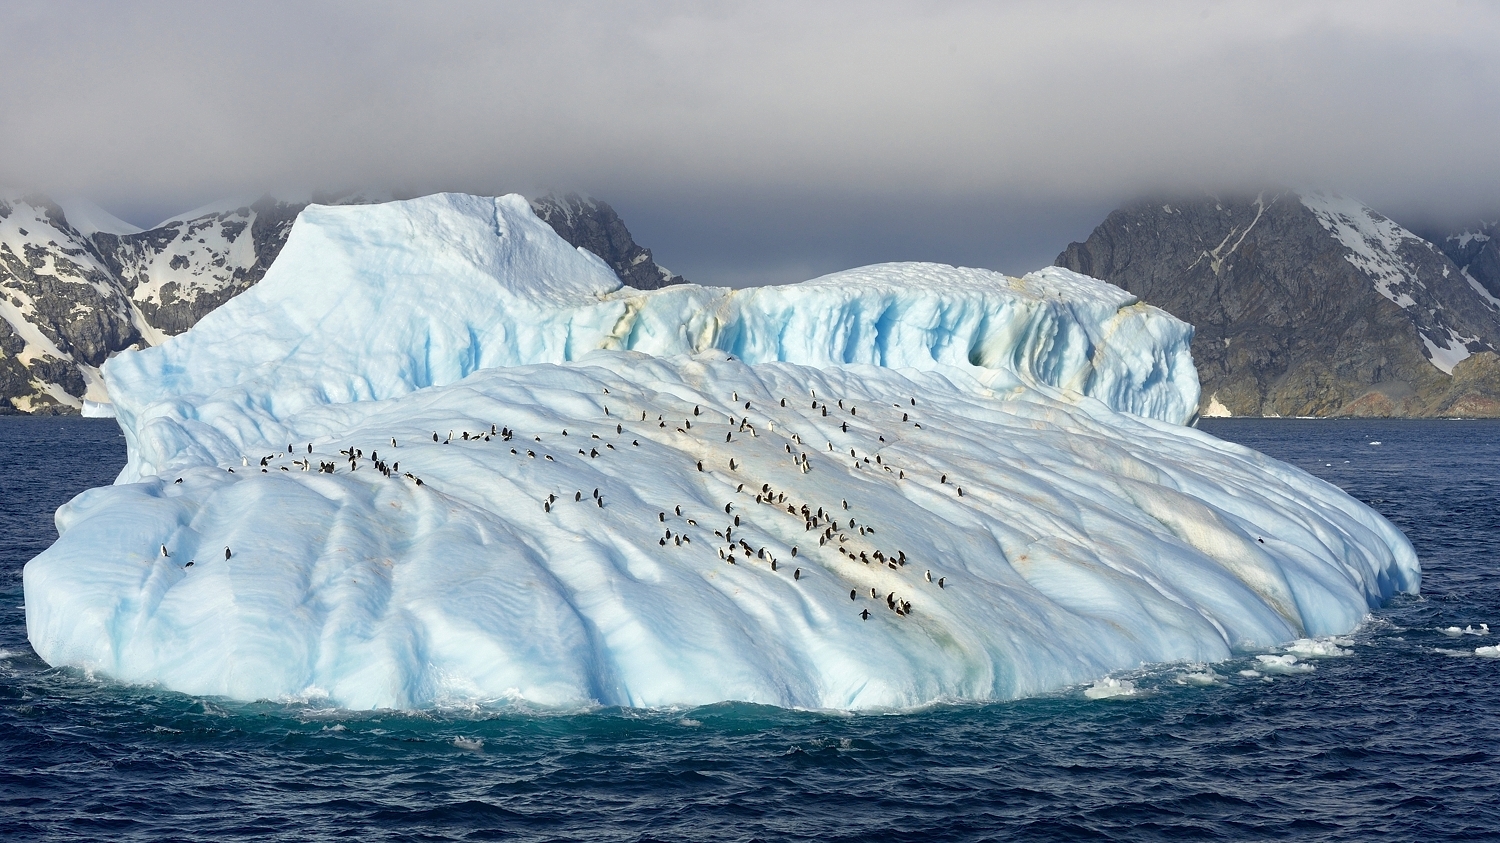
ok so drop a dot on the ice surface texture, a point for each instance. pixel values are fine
(1009, 503)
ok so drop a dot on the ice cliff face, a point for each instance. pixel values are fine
(467, 465)
(1306, 304)
(83, 285)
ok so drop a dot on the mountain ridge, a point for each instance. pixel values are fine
(1306, 304)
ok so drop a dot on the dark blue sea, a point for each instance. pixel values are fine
(1399, 741)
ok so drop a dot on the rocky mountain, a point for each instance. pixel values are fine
(1476, 251)
(591, 224)
(77, 285)
(1310, 304)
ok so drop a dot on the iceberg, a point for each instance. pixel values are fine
(438, 456)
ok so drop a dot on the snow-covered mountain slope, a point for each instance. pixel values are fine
(62, 312)
(159, 282)
(1476, 251)
(1307, 304)
(469, 466)
(1452, 321)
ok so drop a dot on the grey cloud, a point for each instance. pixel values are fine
(756, 141)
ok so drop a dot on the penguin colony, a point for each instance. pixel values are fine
(838, 542)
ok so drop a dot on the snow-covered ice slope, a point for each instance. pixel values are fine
(933, 483)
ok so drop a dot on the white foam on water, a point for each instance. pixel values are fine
(470, 744)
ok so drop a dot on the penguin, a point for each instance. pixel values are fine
(600, 501)
(679, 511)
(940, 582)
(864, 614)
(226, 552)
(393, 440)
(944, 479)
(662, 517)
(434, 436)
(797, 574)
(178, 480)
(794, 550)
(873, 595)
(700, 465)
(852, 594)
(637, 443)
(960, 491)
(619, 428)
(929, 576)
(546, 506)
(189, 564)
(773, 564)
(164, 552)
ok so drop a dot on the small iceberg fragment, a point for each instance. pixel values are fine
(1490, 652)
(1110, 688)
(1200, 678)
(98, 409)
(1283, 665)
(1311, 648)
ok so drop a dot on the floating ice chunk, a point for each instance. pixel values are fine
(1250, 674)
(1490, 652)
(1283, 665)
(1110, 688)
(1319, 648)
(1202, 678)
(1484, 629)
(470, 744)
(98, 409)
(1451, 631)
(1376, 442)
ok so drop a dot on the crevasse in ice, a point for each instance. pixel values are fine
(888, 486)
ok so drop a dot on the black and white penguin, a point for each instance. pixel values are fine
(164, 551)
(226, 552)
(797, 574)
(940, 582)
(864, 614)
(853, 594)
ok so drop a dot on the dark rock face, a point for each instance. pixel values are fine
(1477, 253)
(591, 224)
(1304, 305)
(69, 298)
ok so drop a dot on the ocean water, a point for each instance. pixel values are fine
(1396, 741)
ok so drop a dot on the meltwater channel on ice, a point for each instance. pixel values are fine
(439, 456)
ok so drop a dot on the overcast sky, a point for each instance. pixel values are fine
(755, 142)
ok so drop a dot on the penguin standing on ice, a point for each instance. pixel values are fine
(864, 614)
(226, 552)
(164, 551)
